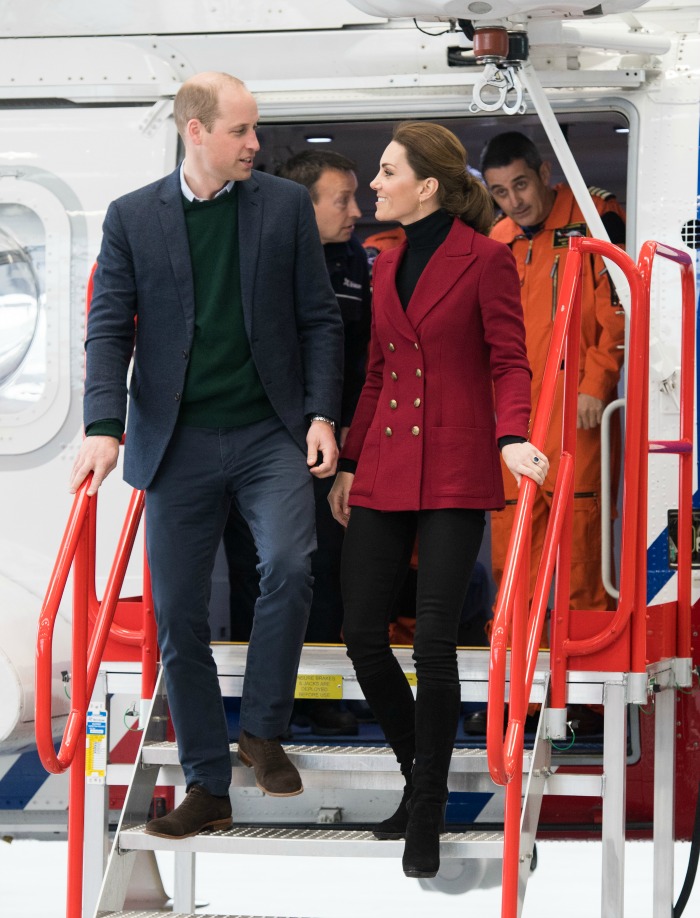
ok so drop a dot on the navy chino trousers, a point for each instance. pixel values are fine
(262, 470)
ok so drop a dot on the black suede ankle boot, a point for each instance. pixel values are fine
(437, 715)
(421, 855)
(391, 699)
(395, 825)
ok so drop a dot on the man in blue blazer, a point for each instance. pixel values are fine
(214, 279)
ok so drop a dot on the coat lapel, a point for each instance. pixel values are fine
(447, 265)
(385, 292)
(172, 220)
(250, 217)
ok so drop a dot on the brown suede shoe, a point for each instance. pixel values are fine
(199, 810)
(274, 773)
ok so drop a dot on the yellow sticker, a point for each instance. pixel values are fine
(412, 678)
(319, 686)
(96, 745)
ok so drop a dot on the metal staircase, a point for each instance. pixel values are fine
(614, 659)
(131, 881)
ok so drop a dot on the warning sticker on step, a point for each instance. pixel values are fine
(96, 745)
(319, 686)
(412, 679)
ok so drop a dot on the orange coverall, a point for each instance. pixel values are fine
(541, 262)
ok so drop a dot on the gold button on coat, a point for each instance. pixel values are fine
(391, 347)
(393, 403)
(415, 344)
(415, 431)
(388, 431)
(419, 372)
(416, 403)
(394, 375)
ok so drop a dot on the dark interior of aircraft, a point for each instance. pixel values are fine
(598, 141)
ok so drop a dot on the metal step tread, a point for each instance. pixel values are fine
(321, 842)
(139, 913)
(337, 758)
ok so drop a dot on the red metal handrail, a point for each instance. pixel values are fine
(502, 755)
(511, 615)
(632, 601)
(77, 551)
(683, 447)
(505, 756)
(634, 487)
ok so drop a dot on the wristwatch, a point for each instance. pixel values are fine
(322, 417)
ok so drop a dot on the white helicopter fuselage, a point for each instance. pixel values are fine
(85, 115)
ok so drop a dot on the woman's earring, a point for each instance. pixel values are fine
(420, 204)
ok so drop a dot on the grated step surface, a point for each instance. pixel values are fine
(337, 758)
(326, 842)
(168, 914)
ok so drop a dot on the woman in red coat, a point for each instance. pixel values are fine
(448, 385)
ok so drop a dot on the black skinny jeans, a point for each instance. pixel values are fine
(376, 555)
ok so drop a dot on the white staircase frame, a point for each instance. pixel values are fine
(130, 873)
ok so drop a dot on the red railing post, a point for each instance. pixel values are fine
(77, 550)
(75, 756)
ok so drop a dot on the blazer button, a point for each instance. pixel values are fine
(415, 431)
(394, 375)
(177, 396)
(185, 355)
(391, 347)
(393, 403)
(419, 372)
(416, 403)
(388, 431)
(415, 344)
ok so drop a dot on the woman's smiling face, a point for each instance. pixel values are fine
(397, 187)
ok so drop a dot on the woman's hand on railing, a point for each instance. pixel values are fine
(526, 459)
(98, 455)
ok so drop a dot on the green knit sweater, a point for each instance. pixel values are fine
(222, 386)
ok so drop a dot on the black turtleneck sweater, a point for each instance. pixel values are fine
(423, 237)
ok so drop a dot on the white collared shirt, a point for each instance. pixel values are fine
(191, 196)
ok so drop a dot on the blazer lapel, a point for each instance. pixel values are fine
(447, 265)
(385, 292)
(250, 218)
(172, 220)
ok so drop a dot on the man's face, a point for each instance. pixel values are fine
(335, 205)
(227, 152)
(522, 194)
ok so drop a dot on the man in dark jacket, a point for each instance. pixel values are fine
(214, 279)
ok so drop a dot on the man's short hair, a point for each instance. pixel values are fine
(198, 98)
(307, 167)
(504, 149)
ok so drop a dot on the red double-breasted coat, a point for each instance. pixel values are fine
(446, 378)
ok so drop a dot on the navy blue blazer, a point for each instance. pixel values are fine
(144, 273)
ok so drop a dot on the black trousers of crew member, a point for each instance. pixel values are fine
(376, 555)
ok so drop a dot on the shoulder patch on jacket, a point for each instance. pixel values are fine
(596, 192)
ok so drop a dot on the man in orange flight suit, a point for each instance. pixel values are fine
(537, 223)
